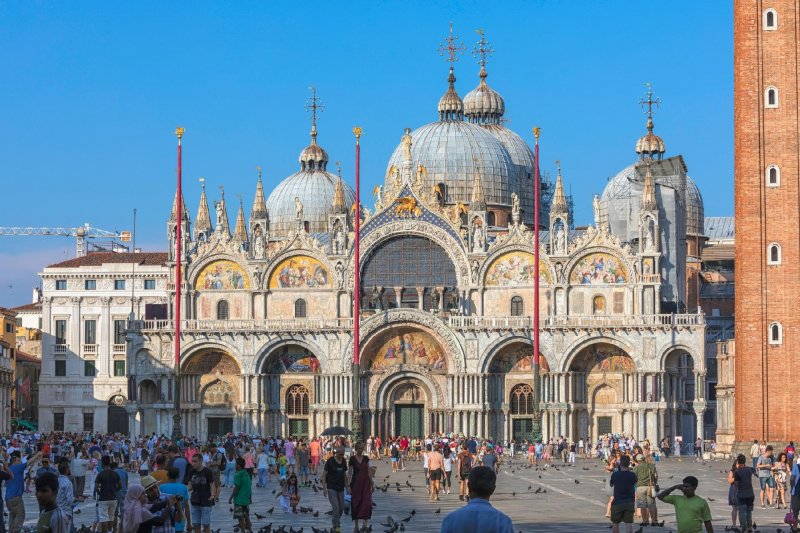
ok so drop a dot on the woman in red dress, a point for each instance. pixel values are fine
(360, 479)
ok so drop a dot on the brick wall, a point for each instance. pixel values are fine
(764, 402)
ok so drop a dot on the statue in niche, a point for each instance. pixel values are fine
(560, 241)
(435, 299)
(455, 301)
(515, 208)
(257, 276)
(596, 207)
(340, 274)
(298, 209)
(258, 243)
(476, 268)
(219, 210)
(338, 238)
(173, 238)
(478, 241)
(559, 271)
(648, 235)
(376, 299)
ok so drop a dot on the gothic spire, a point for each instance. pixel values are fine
(240, 232)
(649, 202)
(478, 200)
(222, 215)
(259, 203)
(203, 216)
(339, 204)
(559, 204)
(173, 215)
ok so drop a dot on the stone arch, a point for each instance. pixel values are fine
(501, 344)
(377, 323)
(148, 392)
(584, 342)
(210, 360)
(411, 319)
(614, 253)
(402, 228)
(697, 360)
(198, 345)
(380, 394)
(271, 349)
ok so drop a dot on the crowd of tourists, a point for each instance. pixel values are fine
(153, 484)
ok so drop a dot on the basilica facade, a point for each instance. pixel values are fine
(447, 265)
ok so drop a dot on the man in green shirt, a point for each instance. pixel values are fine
(691, 511)
(241, 496)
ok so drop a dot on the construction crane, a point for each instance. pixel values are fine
(80, 233)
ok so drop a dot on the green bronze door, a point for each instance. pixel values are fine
(409, 420)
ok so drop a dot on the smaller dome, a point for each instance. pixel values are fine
(450, 105)
(313, 156)
(651, 145)
(483, 104)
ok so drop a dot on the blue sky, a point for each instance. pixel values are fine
(92, 91)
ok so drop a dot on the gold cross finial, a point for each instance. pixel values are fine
(482, 49)
(451, 47)
(203, 183)
(258, 168)
(314, 104)
(558, 166)
(650, 102)
(339, 168)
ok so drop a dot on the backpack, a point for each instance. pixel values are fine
(466, 464)
(395, 451)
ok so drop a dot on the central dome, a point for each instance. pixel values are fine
(454, 152)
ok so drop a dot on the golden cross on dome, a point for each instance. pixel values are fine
(451, 47)
(314, 103)
(258, 168)
(650, 102)
(482, 49)
(339, 168)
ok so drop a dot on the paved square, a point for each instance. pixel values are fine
(561, 506)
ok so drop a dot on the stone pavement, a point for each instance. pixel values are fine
(561, 506)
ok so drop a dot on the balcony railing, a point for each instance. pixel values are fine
(61, 348)
(118, 348)
(90, 349)
(281, 324)
(490, 322)
(575, 321)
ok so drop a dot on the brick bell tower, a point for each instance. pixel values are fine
(767, 209)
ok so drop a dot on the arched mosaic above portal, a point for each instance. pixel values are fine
(299, 272)
(515, 269)
(599, 269)
(407, 346)
(222, 275)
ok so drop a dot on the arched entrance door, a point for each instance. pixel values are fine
(680, 393)
(148, 396)
(408, 400)
(287, 377)
(117, 415)
(604, 374)
(211, 396)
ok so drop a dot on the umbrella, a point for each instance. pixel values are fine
(336, 430)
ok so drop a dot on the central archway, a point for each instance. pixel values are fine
(287, 390)
(211, 395)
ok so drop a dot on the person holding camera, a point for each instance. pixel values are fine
(166, 509)
(178, 489)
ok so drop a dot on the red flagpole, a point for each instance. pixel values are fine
(357, 430)
(176, 424)
(537, 416)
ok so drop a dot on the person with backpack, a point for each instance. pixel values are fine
(394, 452)
(465, 463)
(216, 463)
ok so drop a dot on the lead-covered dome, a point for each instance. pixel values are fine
(484, 105)
(454, 152)
(314, 186)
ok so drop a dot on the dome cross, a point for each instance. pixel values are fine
(314, 104)
(650, 102)
(451, 47)
(482, 50)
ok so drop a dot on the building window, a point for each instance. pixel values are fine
(775, 333)
(61, 367)
(297, 400)
(119, 284)
(90, 331)
(770, 20)
(771, 97)
(61, 284)
(89, 370)
(522, 400)
(774, 254)
(119, 369)
(119, 332)
(222, 310)
(61, 332)
(90, 284)
(773, 176)
(149, 284)
(517, 306)
(58, 421)
(491, 219)
(300, 310)
(88, 422)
